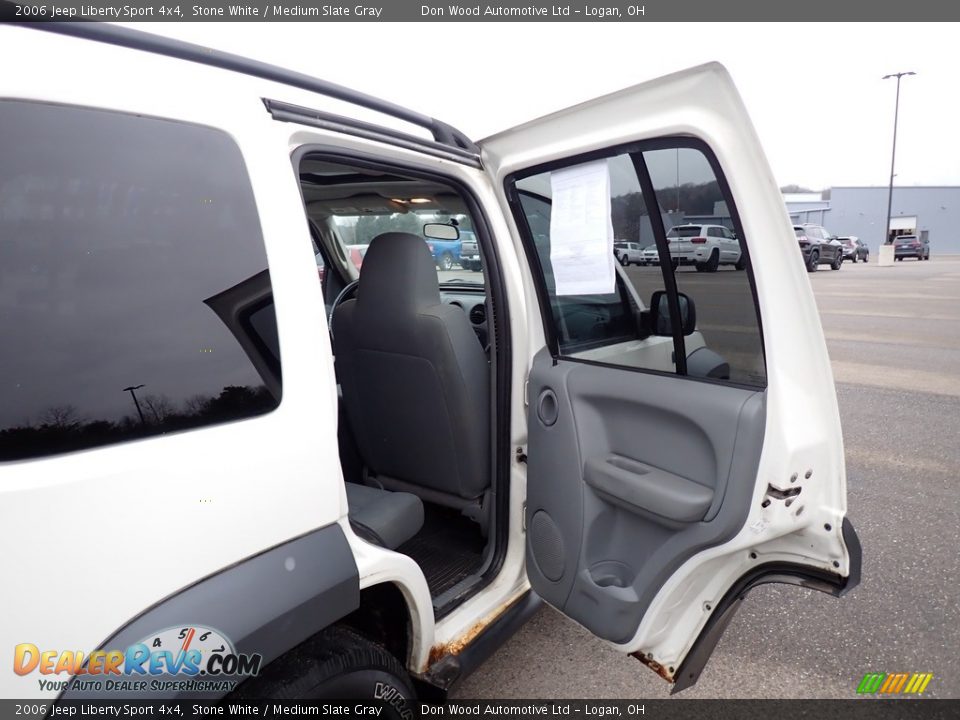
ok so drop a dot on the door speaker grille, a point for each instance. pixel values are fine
(546, 544)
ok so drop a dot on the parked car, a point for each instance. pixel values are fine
(650, 255)
(627, 252)
(818, 246)
(705, 246)
(469, 252)
(854, 249)
(446, 253)
(367, 507)
(911, 246)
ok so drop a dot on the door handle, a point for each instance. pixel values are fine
(635, 486)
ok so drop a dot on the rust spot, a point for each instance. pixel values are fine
(456, 646)
(655, 666)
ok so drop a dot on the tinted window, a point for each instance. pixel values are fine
(685, 231)
(134, 292)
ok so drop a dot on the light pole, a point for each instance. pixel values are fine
(893, 154)
(133, 393)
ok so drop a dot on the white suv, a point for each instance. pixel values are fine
(211, 486)
(705, 246)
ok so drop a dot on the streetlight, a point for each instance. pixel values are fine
(133, 393)
(893, 154)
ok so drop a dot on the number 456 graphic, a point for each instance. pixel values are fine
(894, 683)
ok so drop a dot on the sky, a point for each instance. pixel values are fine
(814, 91)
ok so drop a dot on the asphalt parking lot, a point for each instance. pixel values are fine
(894, 340)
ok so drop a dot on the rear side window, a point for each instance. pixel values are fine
(686, 231)
(135, 298)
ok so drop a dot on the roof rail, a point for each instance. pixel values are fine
(285, 112)
(138, 40)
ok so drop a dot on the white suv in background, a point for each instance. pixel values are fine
(705, 246)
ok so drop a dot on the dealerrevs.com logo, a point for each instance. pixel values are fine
(183, 659)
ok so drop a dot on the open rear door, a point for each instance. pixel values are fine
(684, 439)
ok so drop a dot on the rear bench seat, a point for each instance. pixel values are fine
(382, 517)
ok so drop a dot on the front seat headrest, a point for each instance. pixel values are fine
(398, 275)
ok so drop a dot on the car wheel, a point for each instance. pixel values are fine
(854, 259)
(838, 261)
(446, 261)
(675, 264)
(336, 663)
(741, 264)
(714, 262)
(813, 261)
(624, 260)
(701, 267)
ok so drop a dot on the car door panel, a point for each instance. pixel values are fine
(658, 478)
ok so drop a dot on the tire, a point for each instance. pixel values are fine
(741, 263)
(701, 267)
(835, 265)
(624, 260)
(445, 262)
(336, 663)
(714, 262)
(854, 260)
(813, 261)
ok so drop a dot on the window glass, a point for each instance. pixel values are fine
(631, 326)
(584, 323)
(131, 259)
(713, 274)
(456, 260)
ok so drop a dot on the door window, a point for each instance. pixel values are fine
(655, 188)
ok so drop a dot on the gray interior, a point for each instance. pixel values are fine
(386, 518)
(630, 473)
(415, 379)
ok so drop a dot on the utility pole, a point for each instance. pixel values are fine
(893, 154)
(133, 393)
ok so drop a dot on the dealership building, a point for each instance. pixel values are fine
(862, 211)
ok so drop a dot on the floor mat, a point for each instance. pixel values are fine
(448, 548)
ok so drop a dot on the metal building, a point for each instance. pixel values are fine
(862, 211)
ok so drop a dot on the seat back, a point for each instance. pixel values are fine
(414, 378)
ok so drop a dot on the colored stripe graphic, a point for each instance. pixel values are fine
(894, 683)
(871, 683)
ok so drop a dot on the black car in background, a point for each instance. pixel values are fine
(911, 246)
(854, 249)
(818, 246)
